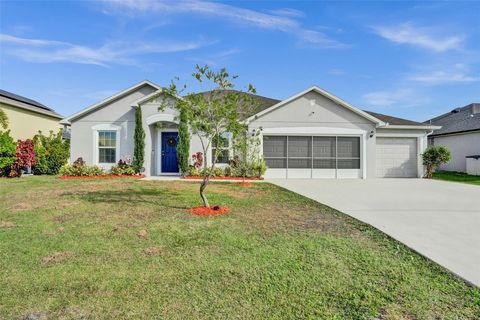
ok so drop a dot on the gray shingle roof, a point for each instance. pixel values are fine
(262, 102)
(394, 120)
(28, 101)
(458, 120)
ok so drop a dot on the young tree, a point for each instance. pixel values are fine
(211, 114)
(3, 119)
(139, 140)
(433, 157)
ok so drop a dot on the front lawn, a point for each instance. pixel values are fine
(456, 177)
(127, 249)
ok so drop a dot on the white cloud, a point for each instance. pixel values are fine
(407, 33)
(45, 51)
(458, 73)
(283, 21)
(400, 97)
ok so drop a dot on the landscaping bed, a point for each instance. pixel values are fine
(103, 176)
(224, 178)
(124, 248)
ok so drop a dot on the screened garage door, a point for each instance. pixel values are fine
(396, 157)
(312, 156)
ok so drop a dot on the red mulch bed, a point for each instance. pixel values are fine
(223, 178)
(245, 184)
(212, 211)
(104, 176)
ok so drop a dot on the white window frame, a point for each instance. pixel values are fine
(105, 127)
(229, 148)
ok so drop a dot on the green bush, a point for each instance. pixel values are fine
(433, 157)
(51, 152)
(193, 171)
(257, 168)
(124, 168)
(232, 171)
(79, 169)
(7, 152)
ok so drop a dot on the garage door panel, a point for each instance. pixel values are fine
(396, 157)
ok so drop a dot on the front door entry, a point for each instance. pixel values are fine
(169, 152)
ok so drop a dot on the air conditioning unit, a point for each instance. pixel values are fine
(473, 165)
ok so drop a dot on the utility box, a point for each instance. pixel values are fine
(473, 165)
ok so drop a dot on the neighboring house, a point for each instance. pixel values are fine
(26, 117)
(460, 133)
(312, 134)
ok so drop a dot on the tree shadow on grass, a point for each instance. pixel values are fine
(154, 197)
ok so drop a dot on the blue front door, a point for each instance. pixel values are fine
(169, 152)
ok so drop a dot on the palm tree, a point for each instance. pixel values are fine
(3, 119)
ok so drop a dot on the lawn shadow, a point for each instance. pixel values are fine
(146, 196)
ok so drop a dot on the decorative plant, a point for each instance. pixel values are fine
(25, 157)
(7, 152)
(3, 119)
(183, 146)
(139, 140)
(52, 152)
(433, 157)
(197, 160)
(211, 114)
(79, 168)
(124, 167)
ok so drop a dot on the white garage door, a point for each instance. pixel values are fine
(396, 158)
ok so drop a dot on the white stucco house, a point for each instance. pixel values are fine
(312, 134)
(460, 133)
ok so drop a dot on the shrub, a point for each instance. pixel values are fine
(433, 157)
(233, 171)
(80, 169)
(193, 171)
(124, 168)
(183, 146)
(52, 153)
(139, 140)
(25, 158)
(257, 168)
(197, 160)
(7, 152)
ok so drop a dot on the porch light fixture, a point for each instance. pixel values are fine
(372, 133)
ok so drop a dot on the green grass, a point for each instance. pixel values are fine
(71, 250)
(456, 177)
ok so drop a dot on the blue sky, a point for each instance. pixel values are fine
(409, 59)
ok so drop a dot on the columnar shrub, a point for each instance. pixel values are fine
(7, 152)
(139, 141)
(183, 147)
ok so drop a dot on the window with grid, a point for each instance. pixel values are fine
(107, 146)
(221, 145)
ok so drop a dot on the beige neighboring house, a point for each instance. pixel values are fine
(26, 117)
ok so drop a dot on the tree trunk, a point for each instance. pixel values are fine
(203, 186)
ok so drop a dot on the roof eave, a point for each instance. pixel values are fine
(398, 126)
(111, 98)
(324, 93)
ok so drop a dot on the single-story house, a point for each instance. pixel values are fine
(312, 134)
(459, 132)
(26, 116)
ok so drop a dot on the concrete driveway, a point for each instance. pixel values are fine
(440, 220)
